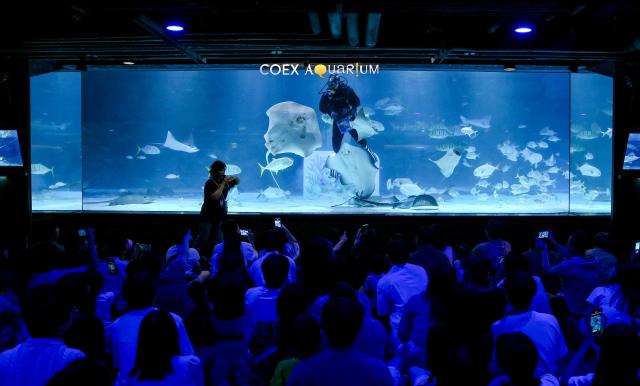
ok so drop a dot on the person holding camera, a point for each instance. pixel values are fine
(214, 207)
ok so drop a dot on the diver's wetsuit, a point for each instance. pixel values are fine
(344, 103)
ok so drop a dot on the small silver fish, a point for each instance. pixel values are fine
(233, 170)
(276, 165)
(148, 150)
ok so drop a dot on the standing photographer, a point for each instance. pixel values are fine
(214, 207)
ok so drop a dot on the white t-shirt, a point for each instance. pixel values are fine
(260, 306)
(545, 380)
(122, 336)
(397, 287)
(603, 296)
(35, 361)
(583, 380)
(544, 331)
(187, 371)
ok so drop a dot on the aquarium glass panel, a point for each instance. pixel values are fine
(393, 142)
(56, 151)
(591, 148)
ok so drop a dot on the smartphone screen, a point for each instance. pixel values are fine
(595, 321)
(82, 233)
(543, 234)
(112, 267)
(277, 223)
(244, 232)
(637, 247)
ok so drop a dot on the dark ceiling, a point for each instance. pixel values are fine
(239, 31)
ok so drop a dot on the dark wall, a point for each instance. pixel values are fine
(626, 184)
(15, 202)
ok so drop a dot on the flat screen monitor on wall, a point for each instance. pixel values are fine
(10, 155)
(632, 153)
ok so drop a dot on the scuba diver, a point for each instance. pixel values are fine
(341, 103)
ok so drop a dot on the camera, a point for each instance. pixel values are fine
(232, 181)
(543, 235)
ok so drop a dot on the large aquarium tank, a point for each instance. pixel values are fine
(385, 140)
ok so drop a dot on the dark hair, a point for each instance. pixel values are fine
(74, 289)
(228, 227)
(157, 344)
(619, 357)
(520, 288)
(197, 292)
(317, 272)
(275, 269)
(44, 312)
(275, 239)
(138, 290)
(232, 243)
(518, 356)
(480, 270)
(578, 243)
(452, 360)
(305, 332)
(44, 257)
(603, 240)
(217, 166)
(341, 321)
(398, 250)
(496, 229)
(379, 263)
(431, 235)
(291, 302)
(113, 242)
(514, 262)
(85, 371)
(227, 288)
(343, 290)
(86, 333)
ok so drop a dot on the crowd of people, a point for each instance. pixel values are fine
(331, 309)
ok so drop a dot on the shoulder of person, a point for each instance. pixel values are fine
(189, 360)
(549, 380)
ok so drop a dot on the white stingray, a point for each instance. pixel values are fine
(447, 163)
(293, 128)
(364, 126)
(355, 168)
(172, 143)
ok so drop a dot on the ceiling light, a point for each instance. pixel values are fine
(523, 29)
(510, 67)
(175, 28)
(129, 62)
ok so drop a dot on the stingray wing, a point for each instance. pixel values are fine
(355, 168)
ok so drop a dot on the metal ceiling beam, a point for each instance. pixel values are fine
(156, 30)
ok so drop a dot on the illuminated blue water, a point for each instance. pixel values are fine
(478, 142)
